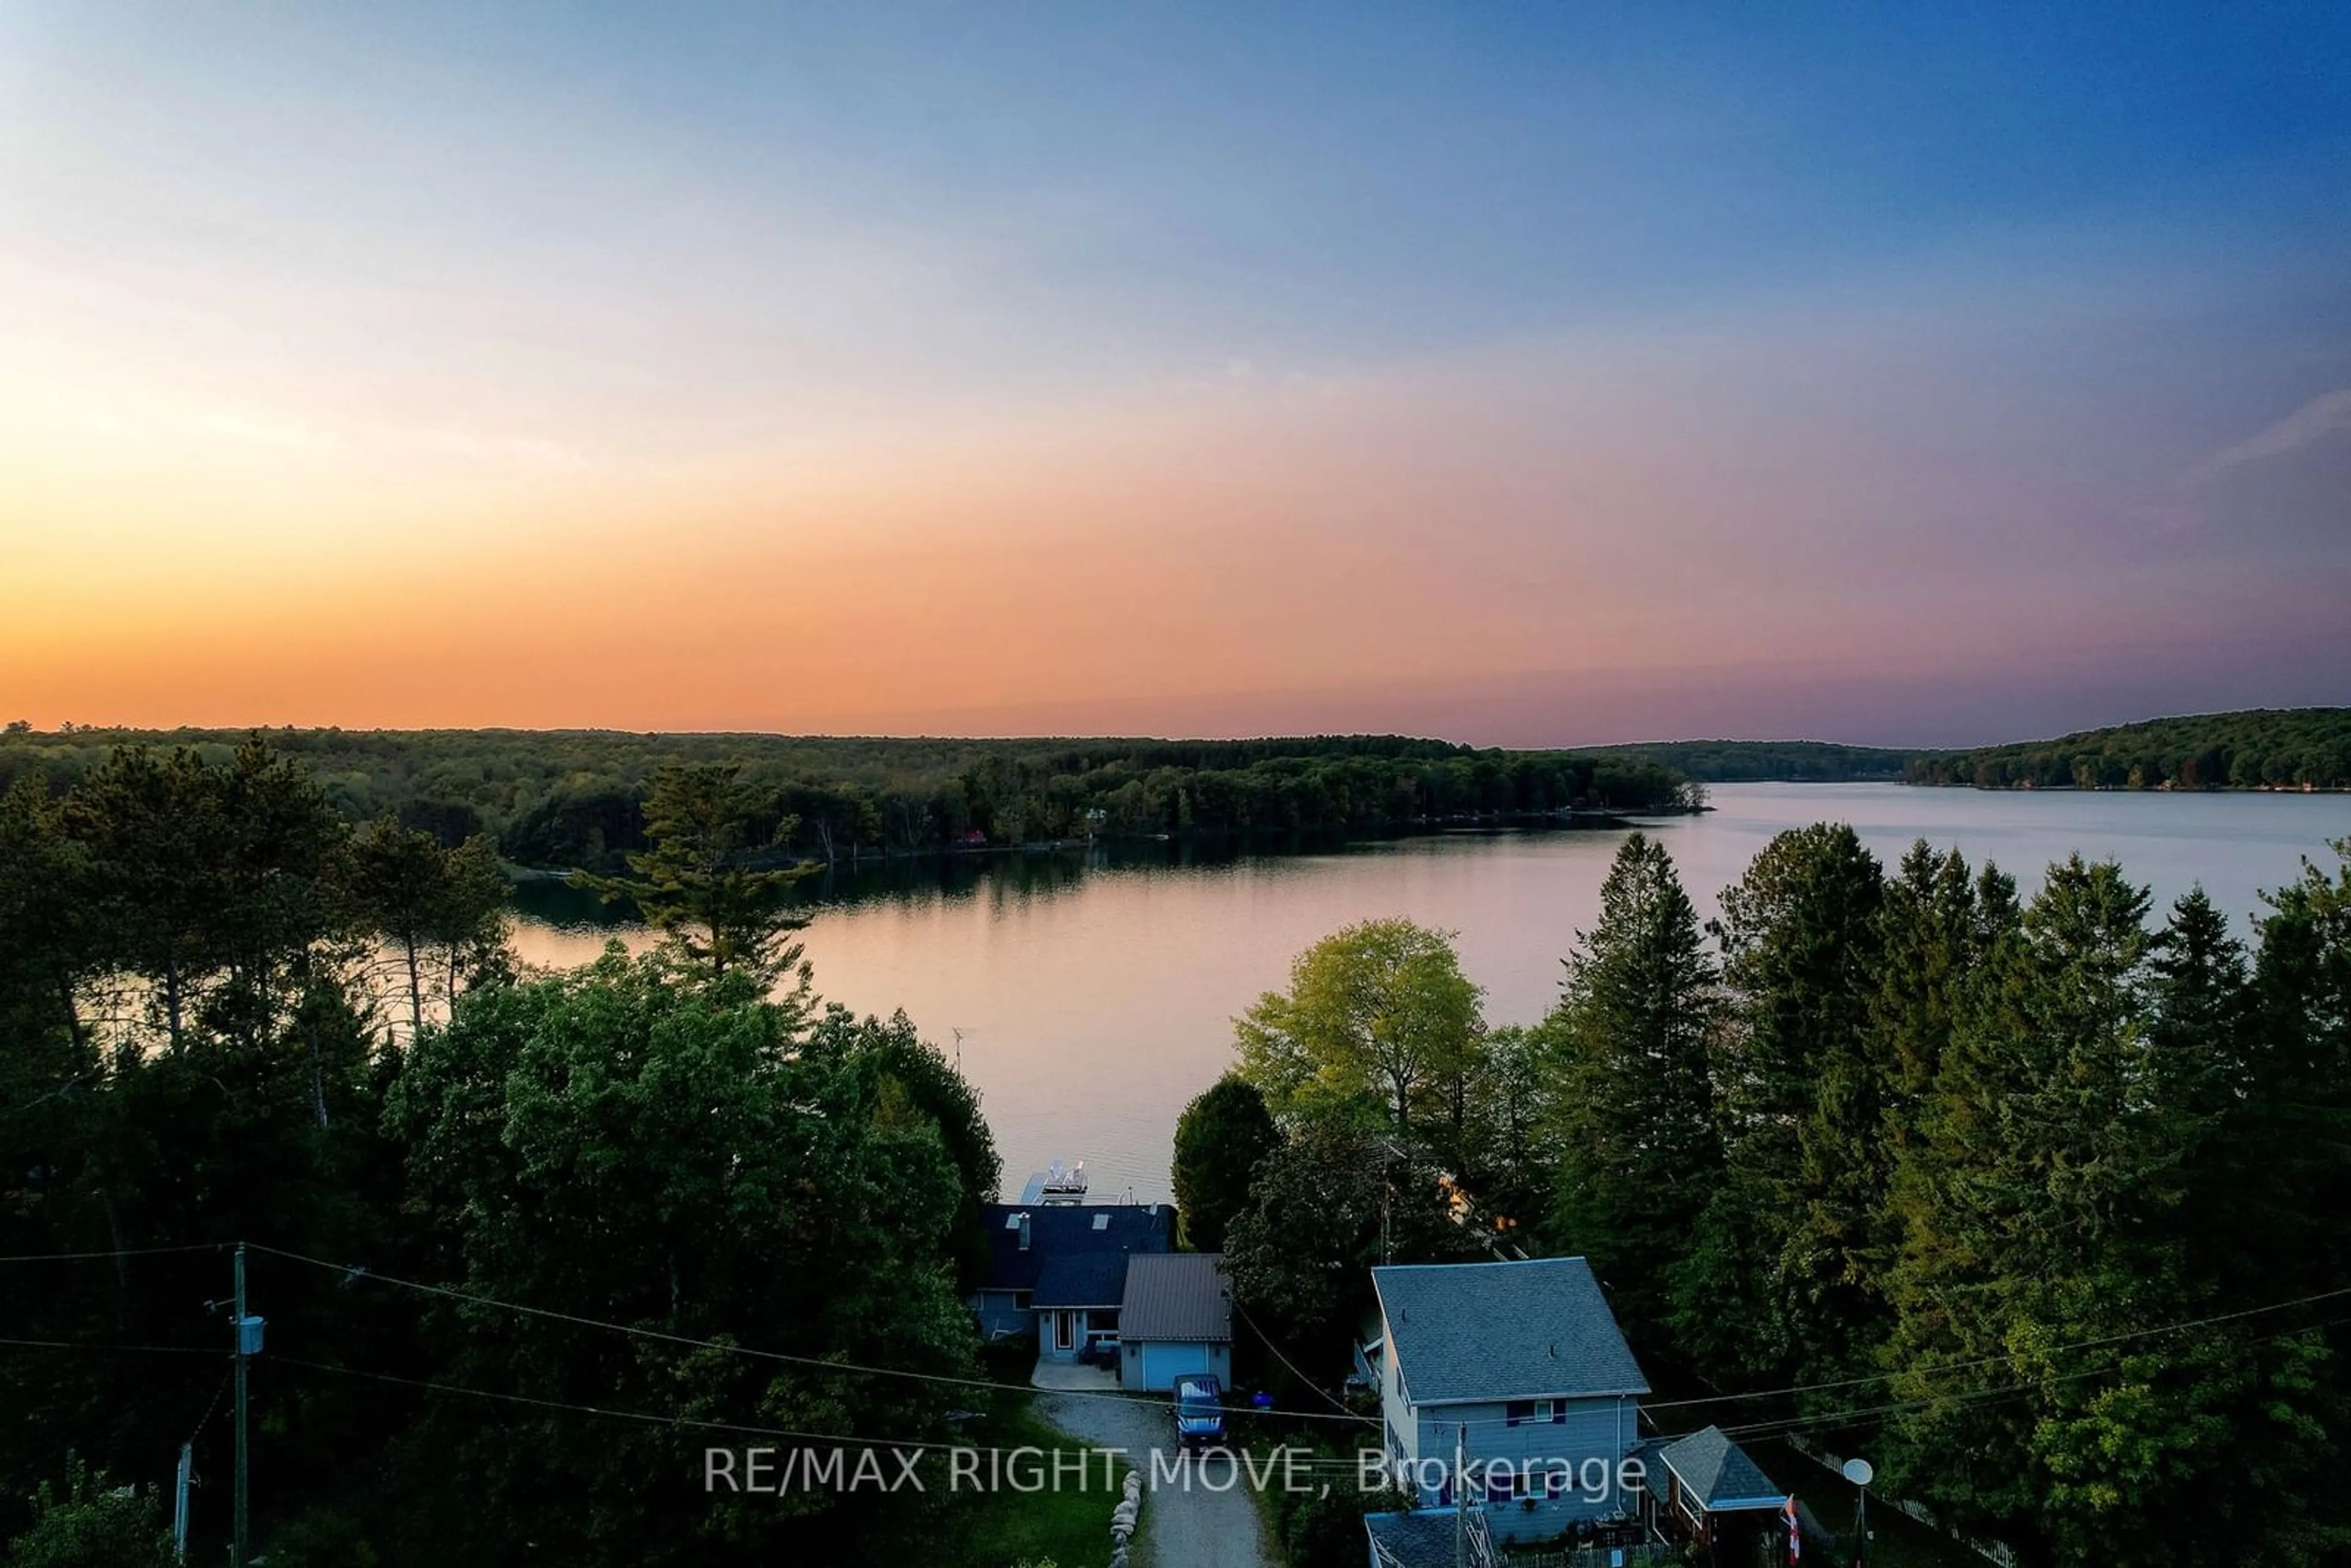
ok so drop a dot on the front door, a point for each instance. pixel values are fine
(1065, 1331)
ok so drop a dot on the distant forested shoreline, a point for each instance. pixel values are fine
(1767, 761)
(575, 799)
(2259, 748)
(566, 799)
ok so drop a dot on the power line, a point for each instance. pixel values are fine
(1941, 1367)
(841, 1366)
(203, 1420)
(818, 1363)
(1939, 1370)
(1268, 1341)
(643, 1417)
(92, 1345)
(117, 1252)
(1787, 1425)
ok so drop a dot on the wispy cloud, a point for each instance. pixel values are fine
(2325, 415)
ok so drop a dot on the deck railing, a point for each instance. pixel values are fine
(1596, 1557)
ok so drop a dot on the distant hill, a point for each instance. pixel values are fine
(1758, 762)
(2273, 749)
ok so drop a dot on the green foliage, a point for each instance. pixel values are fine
(1323, 1527)
(616, 1144)
(191, 1053)
(2038, 1205)
(919, 1091)
(1220, 1138)
(698, 882)
(1379, 1022)
(92, 1524)
(1801, 1091)
(435, 905)
(1329, 1204)
(1640, 1148)
(576, 799)
(1753, 761)
(2259, 748)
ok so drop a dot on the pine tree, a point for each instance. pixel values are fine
(1801, 1096)
(2032, 1205)
(699, 881)
(1637, 1147)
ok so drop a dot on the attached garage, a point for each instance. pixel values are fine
(1158, 1365)
(1176, 1318)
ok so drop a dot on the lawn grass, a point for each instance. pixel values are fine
(1068, 1525)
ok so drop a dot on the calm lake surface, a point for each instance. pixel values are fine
(1096, 990)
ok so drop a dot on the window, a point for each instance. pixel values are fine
(1101, 1222)
(1526, 1412)
(1519, 1412)
(1501, 1482)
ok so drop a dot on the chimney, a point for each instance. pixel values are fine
(1024, 1231)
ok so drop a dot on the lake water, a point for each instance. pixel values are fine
(1096, 990)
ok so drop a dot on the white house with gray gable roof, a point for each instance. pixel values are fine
(1525, 1363)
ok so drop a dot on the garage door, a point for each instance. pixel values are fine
(1163, 1362)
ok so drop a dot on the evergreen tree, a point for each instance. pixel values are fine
(1801, 1096)
(2032, 1206)
(398, 881)
(699, 881)
(1637, 1146)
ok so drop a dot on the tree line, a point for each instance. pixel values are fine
(508, 1229)
(2264, 748)
(576, 800)
(2038, 1202)
(1772, 761)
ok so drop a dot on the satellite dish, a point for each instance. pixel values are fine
(1858, 1472)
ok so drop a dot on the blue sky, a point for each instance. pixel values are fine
(1893, 373)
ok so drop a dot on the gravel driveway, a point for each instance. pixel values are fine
(1183, 1526)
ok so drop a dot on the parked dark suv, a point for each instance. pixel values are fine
(1199, 1410)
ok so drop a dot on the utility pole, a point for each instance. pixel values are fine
(180, 1499)
(1461, 1495)
(237, 1554)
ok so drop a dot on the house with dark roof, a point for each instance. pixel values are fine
(1702, 1487)
(1519, 1369)
(1175, 1318)
(1056, 1272)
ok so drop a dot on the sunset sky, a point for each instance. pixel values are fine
(1519, 373)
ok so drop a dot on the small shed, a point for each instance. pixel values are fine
(1176, 1318)
(1705, 1489)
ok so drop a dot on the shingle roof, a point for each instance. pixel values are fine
(1066, 1232)
(1178, 1296)
(1532, 1330)
(1081, 1280)
(1415, 1538)
(1423, 1538)
(1713, 1470)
